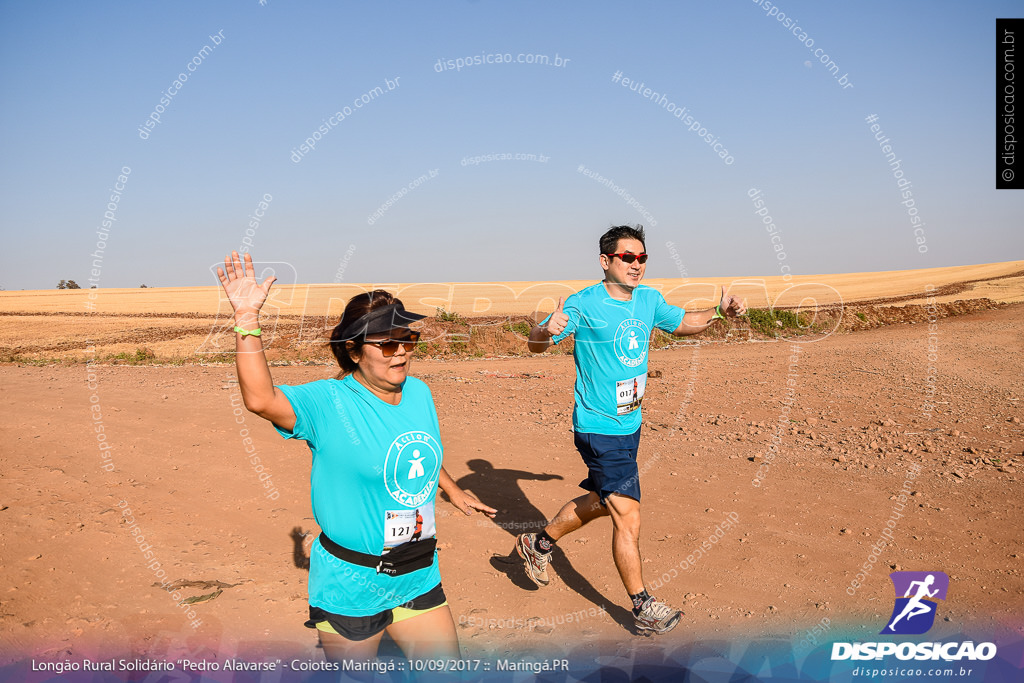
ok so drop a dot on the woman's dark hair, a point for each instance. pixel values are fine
(610, 240)
(357, 307)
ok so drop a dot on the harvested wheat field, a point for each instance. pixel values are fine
(193, 324)
(878, 396)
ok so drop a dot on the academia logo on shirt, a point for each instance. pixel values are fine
(411, 467)
(914, 612)
(631, 342)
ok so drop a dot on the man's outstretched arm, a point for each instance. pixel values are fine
(698, 321)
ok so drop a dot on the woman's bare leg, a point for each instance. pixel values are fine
(338, 648)
(428, 636)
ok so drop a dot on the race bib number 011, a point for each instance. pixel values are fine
(629, 393)
(401, 526)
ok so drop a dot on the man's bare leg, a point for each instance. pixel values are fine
(625, 512)
(536, 551)
(575, 514)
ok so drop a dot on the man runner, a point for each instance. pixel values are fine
(612, 321)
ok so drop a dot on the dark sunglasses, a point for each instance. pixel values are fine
(629, 258)
(389, 347)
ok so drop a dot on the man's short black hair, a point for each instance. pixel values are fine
(610, 240)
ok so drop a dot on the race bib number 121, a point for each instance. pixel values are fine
(401, 526)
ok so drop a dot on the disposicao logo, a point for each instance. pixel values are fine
(914, 612)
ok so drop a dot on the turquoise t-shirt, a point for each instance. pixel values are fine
(373, 484)
(612, 338)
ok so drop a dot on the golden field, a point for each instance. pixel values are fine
(178, 323)
(1000, 282)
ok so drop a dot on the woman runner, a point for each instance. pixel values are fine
(377, 456)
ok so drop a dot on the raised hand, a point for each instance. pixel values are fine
(558, 320)
(245, 294)
(731, 306)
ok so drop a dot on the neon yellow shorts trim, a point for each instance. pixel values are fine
(403, 613)
(398, 614)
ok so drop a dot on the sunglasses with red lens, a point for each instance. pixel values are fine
(629, 258)
(389, 347)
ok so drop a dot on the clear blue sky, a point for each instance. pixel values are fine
(79, 79)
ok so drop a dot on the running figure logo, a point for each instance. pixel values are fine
(415, 465)
(916, 595)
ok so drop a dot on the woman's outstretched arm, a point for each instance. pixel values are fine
(254, 380)
(465, 501)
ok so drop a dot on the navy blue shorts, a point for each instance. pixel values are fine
(611, 459)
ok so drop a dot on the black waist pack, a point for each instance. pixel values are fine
(402, 559)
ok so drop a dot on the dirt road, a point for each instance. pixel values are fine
(75, 582)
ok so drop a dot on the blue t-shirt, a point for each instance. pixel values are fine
(612, 338)
(373, 483)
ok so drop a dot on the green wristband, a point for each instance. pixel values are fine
(255, 333)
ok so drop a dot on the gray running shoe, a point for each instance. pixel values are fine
(536, 562)
(657, 617)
